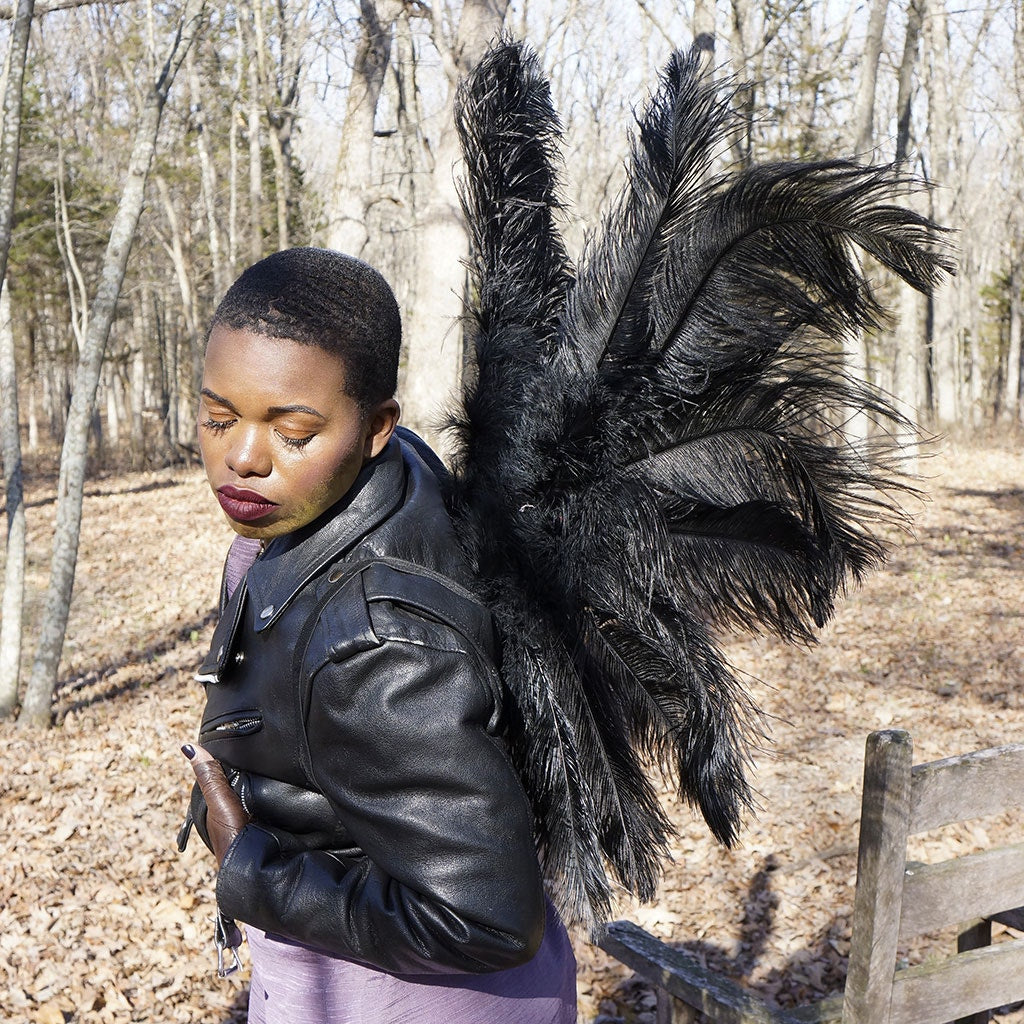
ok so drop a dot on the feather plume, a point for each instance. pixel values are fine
(648, 451)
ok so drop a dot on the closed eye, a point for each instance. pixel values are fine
(295, 442)
(216, 425)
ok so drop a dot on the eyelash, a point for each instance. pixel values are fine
(296, 442)
(218, 426)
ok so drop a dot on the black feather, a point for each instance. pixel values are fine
(649, 452)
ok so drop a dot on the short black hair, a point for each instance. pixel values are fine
(323, 298)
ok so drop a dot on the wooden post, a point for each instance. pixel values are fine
(880, 866)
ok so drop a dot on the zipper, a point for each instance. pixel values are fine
(239, 727)
(240, 724)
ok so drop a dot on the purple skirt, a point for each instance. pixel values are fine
(294, 984)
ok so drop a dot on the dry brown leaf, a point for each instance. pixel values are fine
(52, 1013)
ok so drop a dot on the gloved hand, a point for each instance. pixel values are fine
(225, 815)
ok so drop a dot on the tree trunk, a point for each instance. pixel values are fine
(705, 32)
(281, 186)
(138, 400)
(350, 198)
(14, 568)
(911, 338)
(908, 371)
(906, 79)
(233, 186)
(33, 419)
(14, 571)
(970, 321)
(113, 413)
(255, 181)
(748, 65)
(279, 91)
(208, 181)
(43, 679)
(433, 337)
(857, 355)
(265, 92)
(255, 161)
(1013, 406)
(864, 103)
(945, 334)
(184, 421)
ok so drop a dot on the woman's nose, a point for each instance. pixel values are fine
(249, 456)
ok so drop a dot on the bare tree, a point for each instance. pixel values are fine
(908, 61)
(945, 362)
(864, 102)
(208, 176)
(352, 194)
(705, 30)
(434, 344)
(1013, 404)
(278, 86)
(14, 570)
(857, 354)
(246, 46)
(911, 341)
(42, 681)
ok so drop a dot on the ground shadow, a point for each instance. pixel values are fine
(239, 1009)
(812, 973)
(97, 685)
(97, 492)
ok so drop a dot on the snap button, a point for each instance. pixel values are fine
(267, 612)
(239, 657)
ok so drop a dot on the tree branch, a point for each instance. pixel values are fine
(7, 10)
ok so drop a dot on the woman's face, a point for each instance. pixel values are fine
(280, 439)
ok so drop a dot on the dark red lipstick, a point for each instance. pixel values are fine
(242, 505)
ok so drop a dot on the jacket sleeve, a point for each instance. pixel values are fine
(444, 874)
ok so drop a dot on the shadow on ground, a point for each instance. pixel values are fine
(99, 685)
(809, 975)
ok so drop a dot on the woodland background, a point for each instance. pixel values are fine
(150, 151)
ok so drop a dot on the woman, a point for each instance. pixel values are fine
(369, 830)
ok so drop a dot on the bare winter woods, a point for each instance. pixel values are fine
(152, 150)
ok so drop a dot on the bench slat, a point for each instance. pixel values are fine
(966, 787)
(679, 973)
(973, 981)
(976, 885)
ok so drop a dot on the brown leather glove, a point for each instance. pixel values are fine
(225, 815)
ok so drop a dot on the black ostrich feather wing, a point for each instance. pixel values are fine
(653, 450)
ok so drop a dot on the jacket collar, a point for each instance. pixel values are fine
(291, 561)
(406, 474)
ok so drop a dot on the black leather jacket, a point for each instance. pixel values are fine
(352, 687)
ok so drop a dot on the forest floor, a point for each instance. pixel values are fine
(102, 920)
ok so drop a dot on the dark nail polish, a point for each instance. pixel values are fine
(189, 751)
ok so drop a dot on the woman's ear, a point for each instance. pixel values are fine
(381, 425)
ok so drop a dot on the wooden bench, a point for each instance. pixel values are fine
(895, 900)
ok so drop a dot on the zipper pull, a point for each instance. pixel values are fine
(226, 936)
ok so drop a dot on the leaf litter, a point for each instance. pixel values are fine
(101, 920)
